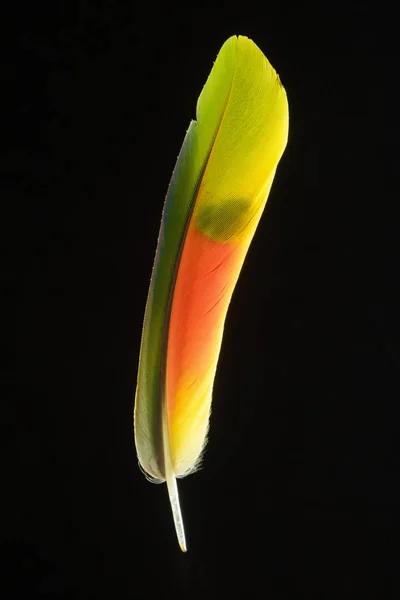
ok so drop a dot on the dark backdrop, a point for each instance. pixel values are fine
(298, 496)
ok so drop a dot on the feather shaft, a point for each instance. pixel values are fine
(172, 487)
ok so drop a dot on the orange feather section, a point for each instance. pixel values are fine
(207, 276)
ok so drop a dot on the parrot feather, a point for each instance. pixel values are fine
(214, 202)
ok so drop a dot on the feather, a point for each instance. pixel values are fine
(215, 199)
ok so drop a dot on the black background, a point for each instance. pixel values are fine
(298, 496)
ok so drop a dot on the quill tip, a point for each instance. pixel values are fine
(176, 511)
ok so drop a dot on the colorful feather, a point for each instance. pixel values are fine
(217, 194)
